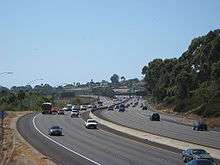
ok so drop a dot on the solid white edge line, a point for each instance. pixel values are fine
(33, 121)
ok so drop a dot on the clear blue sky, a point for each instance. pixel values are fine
(65, 41)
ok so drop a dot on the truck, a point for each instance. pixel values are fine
(46, 108)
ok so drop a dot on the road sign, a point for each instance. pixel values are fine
(2, 114)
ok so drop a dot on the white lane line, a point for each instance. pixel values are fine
(61, 144)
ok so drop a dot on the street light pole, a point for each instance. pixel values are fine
(29, 83)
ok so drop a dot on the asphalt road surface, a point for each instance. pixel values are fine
(136, 118)
(79, 145)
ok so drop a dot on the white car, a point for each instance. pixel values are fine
(89, 106)
(74, 113)
(91, 123)
(83, 108)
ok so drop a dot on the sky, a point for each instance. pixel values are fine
(66, 41)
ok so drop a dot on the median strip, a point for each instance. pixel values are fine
(155, 138)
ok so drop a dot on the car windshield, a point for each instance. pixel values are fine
(204, 162)
(91, 121)
(198, 152)
(55, 127)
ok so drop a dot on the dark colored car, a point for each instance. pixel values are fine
(200, 126)
(200, 162)
(117, 107)
(121, 108)
(60, 112)
(55, 131)
(155, 117)
(127, 105)
(110, 108)
(195, 154)
(144, 107)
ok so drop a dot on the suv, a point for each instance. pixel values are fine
(200, 126)
(155, 117)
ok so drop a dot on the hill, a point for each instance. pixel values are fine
(191, 82)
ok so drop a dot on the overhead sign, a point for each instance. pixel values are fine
(2, 114)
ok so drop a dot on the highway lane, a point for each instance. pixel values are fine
(100, 146)
(139, 119)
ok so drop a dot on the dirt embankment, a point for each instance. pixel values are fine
(16, 150)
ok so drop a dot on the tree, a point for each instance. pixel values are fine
(180, 79)
(183, 84)
(114, 79)
(216, 71)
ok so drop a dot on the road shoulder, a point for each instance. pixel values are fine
(22, 153)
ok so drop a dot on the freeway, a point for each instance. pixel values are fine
(133, 117)
(86, 146)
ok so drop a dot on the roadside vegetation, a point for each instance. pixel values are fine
(190, 83)
(32, 99)
(22, 100)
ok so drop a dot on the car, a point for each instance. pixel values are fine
(144, 107)
(116, 106)
(200, 126)
(121, 108)
(83, 108)
(54, 110)
(89, 106)
(60, 112)
(91, 123)
(65, 109)
(110, 108)
(55, 131)
(69, 107)
(127, 105)
(194, 154)
(74, 113)
(94, 108)
(200, 162)
(155, 117)
(100, 103)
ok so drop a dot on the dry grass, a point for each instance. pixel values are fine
(214, 122)
(16, 149)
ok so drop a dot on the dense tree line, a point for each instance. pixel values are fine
(191, 82)
(22, 100)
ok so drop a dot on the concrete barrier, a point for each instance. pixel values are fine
(155, 138)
